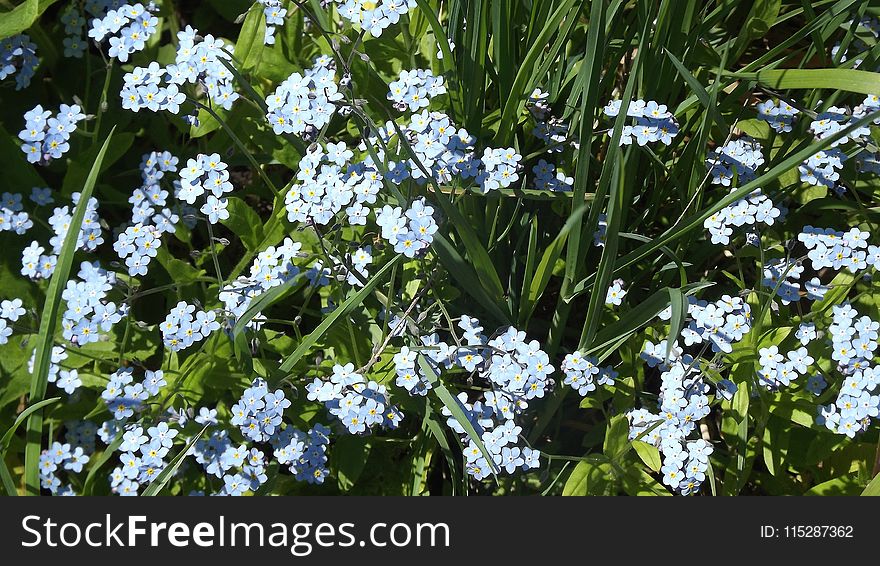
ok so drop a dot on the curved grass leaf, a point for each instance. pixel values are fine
(158, 484)
(850, 80)
(453, 404)
(349, 305)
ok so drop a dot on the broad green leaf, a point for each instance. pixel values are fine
(22, 17)
(250, 44)
(648, 454)
(850, 80)
(244, 223)
(590, 478)
(873, 488)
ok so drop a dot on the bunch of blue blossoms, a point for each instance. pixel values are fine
(274, 11)
(682, 404)
(653, 122)
(303, 105)
(854, 343)
(56, 457)
(45, 136)
(88, 313)
(359, 405)
(128, 29)
(374, 16)
(198, 61)
(516, 371)
(18, 56)
(184, 326)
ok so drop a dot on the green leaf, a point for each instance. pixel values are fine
(244, 223)
(873, 488)
(22, 17)
(467, 278)
(97, 464)
(548, 260)
(590, 478)
(250, 44)
(850, 80)
(49, 322)
(679, 306)
(477, 254)
(4, 442)
(616, 437)
(350, 454)
(648, 454)
(8, 482)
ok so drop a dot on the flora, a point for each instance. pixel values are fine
(410, 247)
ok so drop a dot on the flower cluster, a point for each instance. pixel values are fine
(374, 16)
(184, 326)
(756, 208)
(415, 89)
(410, 232)
(834, 120)
(681, 405)
(738, 160)
(45, 137)
(274, 11)
(128, 29)
(779, 115)
(854, 341)
(359, 405)
(305, 454)
(124, 397)
(150, 195)
(10, 311)
(499, 169)
(329, 184)
(142, 457)
(548, 178)
(37, 265)
(138, 245)
(548, 128)
(76, 16)
(653, 122)
(777, 370)
(156, 88)
(259, 412)
(823, 168)
(516, 370)
(272, 267)
(60, 456)
(206, 174)
(303, 104)
(833, 249)
(88, 313)
(718, 325)
(18, 56)
(12, 215)
(583, 374)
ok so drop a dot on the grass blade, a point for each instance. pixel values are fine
(48, 324)
(349, 305)
(158, 484)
